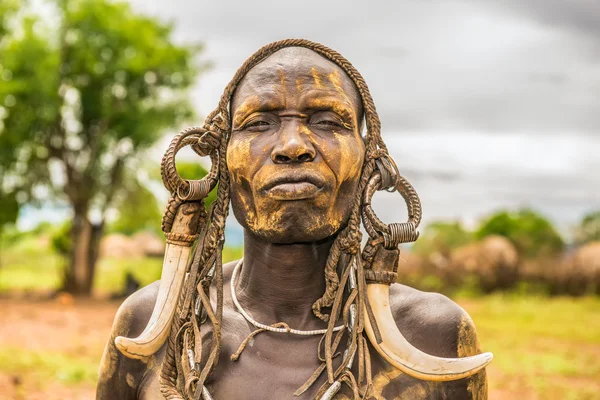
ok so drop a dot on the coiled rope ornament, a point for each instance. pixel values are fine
(386, 177)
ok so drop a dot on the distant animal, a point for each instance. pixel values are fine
(130, 286)
(494, 261)
(580, 273)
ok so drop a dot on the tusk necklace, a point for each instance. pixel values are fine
(263, 326)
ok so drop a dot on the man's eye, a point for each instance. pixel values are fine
(327, 122)
(253, 124)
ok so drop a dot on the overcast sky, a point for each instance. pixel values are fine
(529, 66)
(484, 103)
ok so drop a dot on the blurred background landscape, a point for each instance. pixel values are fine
(490, 109)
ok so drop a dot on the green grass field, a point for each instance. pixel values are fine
(545, 348)
(29, 266)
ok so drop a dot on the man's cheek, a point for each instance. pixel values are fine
(243, 202)
(239, 161)
(349, 158)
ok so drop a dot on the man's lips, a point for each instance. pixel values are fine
(294, 186)
(293, 191)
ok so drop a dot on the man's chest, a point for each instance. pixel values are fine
(274, 366)
(267, 385)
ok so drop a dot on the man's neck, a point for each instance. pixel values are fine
(280, 282)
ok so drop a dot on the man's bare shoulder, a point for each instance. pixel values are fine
(136, 310)
(433, 322)
(438, 326)
(119, 376)
(134, 313)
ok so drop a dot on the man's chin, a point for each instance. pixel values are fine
(296, 233)
(289, 222)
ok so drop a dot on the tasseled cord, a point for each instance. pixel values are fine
(236, 355)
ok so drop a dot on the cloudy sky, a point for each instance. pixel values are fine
(484, 104)
(520, 66)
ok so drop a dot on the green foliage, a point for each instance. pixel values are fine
(61, 239)
(530, 232)
(138, 210)
(84, 94)
(7, 9)
(29, 105)
(29, 264)
(442, 237)
(9, 209)
(43, 227)
(191, 170)
(589, 229)
(87, 96)
(10, 235)
(470, 287)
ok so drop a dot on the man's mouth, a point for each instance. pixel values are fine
(294, 186)
(294, 191)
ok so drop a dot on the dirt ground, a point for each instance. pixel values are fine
(77, 330)
(72, 328)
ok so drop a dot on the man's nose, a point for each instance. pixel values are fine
(293, 146)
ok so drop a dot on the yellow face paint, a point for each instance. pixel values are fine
(245, 109)
(298, 85)
(334, 78)
(316, 78)
(303, 115)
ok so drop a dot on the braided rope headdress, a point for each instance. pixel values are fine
(184, 372)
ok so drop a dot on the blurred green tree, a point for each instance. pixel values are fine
(9, 206)
(7, 9)
(60, 240)
(530, 232)
(78, 101)
(9, 209)
(137, 206)
(441, 236)
(589, 229)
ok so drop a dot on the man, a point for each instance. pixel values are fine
(305, 313)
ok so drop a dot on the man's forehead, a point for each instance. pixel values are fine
(296, 67)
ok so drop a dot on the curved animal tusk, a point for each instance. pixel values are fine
(177, 252)
(396, 350)
(157, 330)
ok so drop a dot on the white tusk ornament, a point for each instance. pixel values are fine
(177, 252)
(396, 350)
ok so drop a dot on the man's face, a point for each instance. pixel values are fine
(296, 152)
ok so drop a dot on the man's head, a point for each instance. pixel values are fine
(296, 153)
